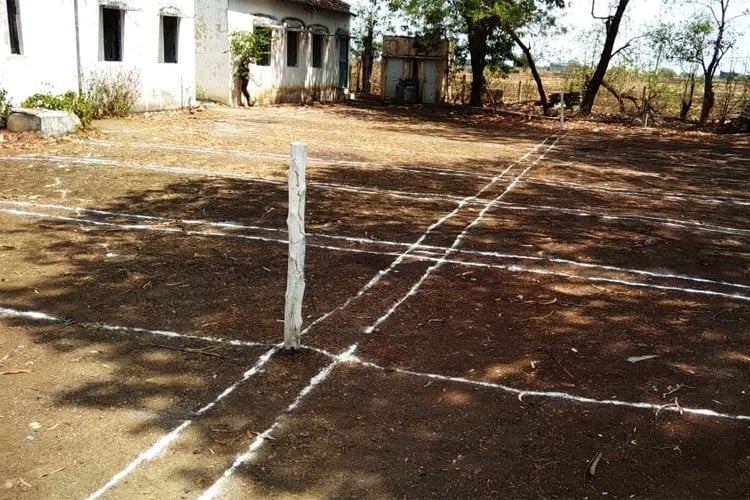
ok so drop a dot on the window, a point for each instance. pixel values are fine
(112, 34)
(317, 50)
(292, 48)
(265, 48)
(13, 31)
(170, 31)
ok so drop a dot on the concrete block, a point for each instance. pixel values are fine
(48, 122)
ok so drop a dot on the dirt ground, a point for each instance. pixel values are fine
(495, 308)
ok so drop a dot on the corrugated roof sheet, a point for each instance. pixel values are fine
(335, 5)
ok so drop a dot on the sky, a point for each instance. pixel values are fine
(639, 14)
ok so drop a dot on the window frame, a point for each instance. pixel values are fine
(265, 59)
(316, 47)
(14, 27)
(292, 62)
(174, 39)
(115, 52)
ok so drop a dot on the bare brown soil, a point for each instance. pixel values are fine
(485, 278)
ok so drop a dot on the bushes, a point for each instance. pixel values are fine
(69, 101)
(106, 95)
(4, 108)
(113, 94)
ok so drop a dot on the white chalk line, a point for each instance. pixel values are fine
(646, 193)
(351, 358)
(442, 259)
(686, 224)
(251, 453)
(671, 178)
(7, 312)
(153, 452)
(713, 166)
(425, 253)
(408, 195)
(311, 160)
(558, 395)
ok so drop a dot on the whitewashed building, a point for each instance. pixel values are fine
(56, 45)
(309, 49)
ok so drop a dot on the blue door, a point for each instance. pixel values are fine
(343, 63)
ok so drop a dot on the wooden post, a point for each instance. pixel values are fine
(295, 284)
(562, 109)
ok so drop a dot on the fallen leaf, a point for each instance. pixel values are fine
(14, 372)
(637, 359)
(593, 463)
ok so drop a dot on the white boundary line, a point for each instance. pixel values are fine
(686, 224)
(250, 454)
(349, 357)
(442, 259)
(428, 197)
(558, 395)
(430, 253)
(651, 193)
(311, 160)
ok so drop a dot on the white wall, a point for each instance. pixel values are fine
(213, 66)
(48, 60)
(277, 82)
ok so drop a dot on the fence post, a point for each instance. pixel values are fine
(562, 109)
(295, 284)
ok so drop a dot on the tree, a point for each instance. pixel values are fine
(491, 29)
(706, 40)
(372, 17)
(247, 47)
(612, 27)
(515, 18)
(681, 42)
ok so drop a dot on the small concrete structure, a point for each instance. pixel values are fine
(50, 123)
(408, 61)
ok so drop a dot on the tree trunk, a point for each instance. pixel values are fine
(708, 99)
(534, 72)
(478, 33)
(687, 98)
(595, 82)
(368, 56)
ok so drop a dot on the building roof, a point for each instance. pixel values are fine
(334, 5)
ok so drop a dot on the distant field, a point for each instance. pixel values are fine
(666, 93)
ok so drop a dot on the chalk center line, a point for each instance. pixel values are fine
(166, 441)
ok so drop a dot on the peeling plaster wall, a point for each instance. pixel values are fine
(48, 59)
(277, 82)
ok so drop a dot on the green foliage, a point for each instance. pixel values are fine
(249, 47)
(106, 95)
(488, 30)
(69, 101)
(5, 108)
(113, 94)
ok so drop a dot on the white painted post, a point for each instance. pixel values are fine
(295, 284)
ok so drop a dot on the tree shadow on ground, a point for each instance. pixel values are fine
(537, 325)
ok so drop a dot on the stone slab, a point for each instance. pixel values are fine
(48, 122)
